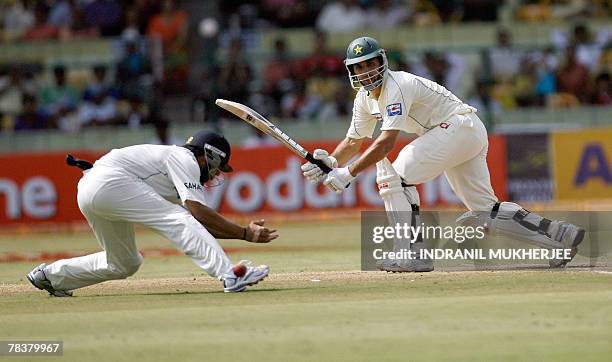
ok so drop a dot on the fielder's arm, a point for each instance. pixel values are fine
(376, 152)
(222, 228)
(346, 149)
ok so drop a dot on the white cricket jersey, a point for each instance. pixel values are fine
(172, 171)
(407, 103)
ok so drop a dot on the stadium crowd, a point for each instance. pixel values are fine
(121, 93)
(573, 70)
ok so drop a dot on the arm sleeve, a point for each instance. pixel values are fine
(184, 172)
(398, 103)
(362, 123)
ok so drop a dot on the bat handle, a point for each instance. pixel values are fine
(319, 163)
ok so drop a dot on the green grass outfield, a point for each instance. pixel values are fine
(315, 306)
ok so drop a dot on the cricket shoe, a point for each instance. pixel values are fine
(245, 275)
(38, 279)
(405, 266)
(570, 236)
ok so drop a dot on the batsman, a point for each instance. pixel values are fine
(451, 140)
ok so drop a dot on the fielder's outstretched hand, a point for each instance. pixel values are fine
(312, 172)
(257, 233)
(338, 179)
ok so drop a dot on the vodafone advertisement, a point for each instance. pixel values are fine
(40, 188)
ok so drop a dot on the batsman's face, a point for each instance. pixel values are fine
(367, 71)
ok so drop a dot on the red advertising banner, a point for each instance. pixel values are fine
(41, 188)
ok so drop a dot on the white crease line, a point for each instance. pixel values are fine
(602, 272)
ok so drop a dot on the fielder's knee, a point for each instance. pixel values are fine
(125, 268)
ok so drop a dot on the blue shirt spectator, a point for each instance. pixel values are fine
(60, 15)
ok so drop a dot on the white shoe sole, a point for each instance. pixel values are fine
(245, 285)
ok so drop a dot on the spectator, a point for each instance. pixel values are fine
(479, 10)
(602, 94)
(133, 111)
(503, 58)
(277, 72)
(444, 69)
(573, 77)
(80, 27)
(59, 98)
(41, 30)
(546, 65)
(564, 10)
(448, 10)
(131, 32)
(99, 81)
(11, 92)
(320, 61)
(588, 49)
(486, 105)
(17, 18)
(300, 104)
(31, 117)
(534, 11)
(104, 15)
(290, 13)
(162, 134)
(604, 64)
(424, 13)
(525, 84)
(170, 26)
(30, 82)
(588, 46)
(341, 16)
(145, 10)
(340, 105)
(134, 76)
(60, 15)
(235, 75)
(386, 15)
(101, 110)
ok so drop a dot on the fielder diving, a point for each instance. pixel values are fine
(161, 188)
(451, 140)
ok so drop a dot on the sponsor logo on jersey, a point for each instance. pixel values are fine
(444, 125)
(394, 109)
(193, 186)
(377, 116)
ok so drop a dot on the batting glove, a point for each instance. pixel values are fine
(338, 179)
(312, 172)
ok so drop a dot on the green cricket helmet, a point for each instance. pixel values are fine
(359, 50)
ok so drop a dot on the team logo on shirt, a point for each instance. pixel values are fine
(193, 186)
(377, 116)
(394, 109)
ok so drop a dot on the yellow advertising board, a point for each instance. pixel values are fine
(582, 163)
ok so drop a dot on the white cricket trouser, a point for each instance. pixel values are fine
(460, 150)
(112, 202)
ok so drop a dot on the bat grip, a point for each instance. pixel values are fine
(319, 163)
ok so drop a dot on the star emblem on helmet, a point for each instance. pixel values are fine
(357, 49)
